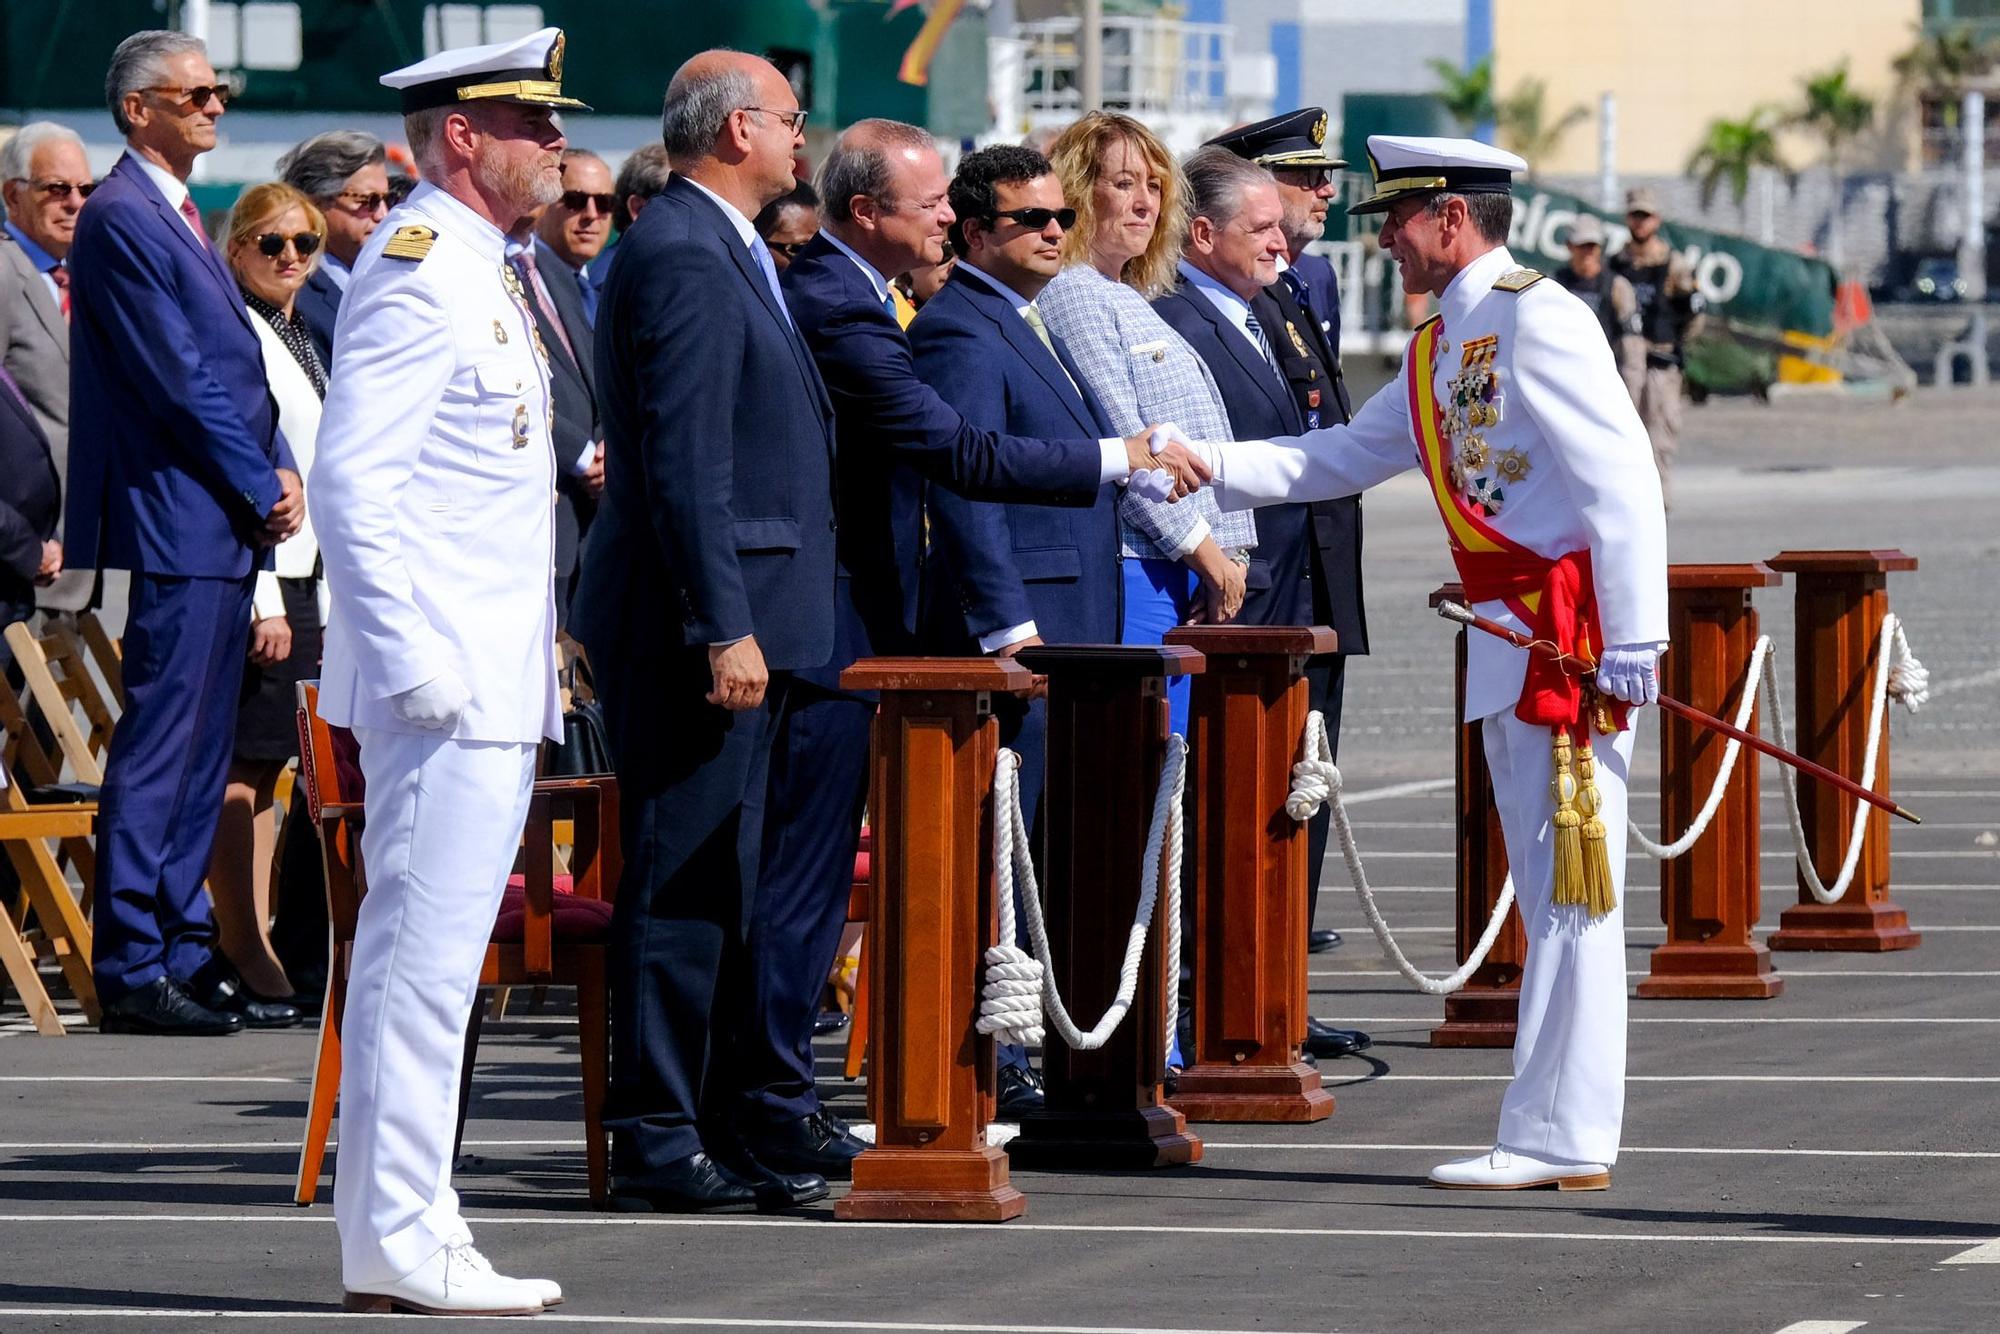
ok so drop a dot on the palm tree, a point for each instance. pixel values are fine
(1837, 114)
(1523, 122)
(1942, 64)
(1465, 94)
(1730, 150)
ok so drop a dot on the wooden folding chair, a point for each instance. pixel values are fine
(860, 892)
(105, 654)
(47, 921)
(61, 686)
(551, 929)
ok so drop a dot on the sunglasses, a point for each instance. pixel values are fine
(272, 244)
(1036, 219)
(59, 189)
(789, 249)
(1310, 178)
(574, 200)
(365, 203)
(195, 97)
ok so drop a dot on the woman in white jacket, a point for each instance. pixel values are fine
(275, 236)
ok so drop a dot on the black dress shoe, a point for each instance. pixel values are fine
(161, 1007)
(817, 1144)
(696, 1184)
(1020, 1093)
(227, 995)
(1324, 1040)
(828, 1021)
(1322, 940)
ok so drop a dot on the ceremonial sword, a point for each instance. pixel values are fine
(1453, 611)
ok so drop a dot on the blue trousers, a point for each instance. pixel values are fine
(812, 827)
(1159, 595)
(186, 640)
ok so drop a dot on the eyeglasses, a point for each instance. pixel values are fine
(59, 189)
(273, 244)
(197, 96)
(574, 200)
(1036, 219)
(789, 249)
(359, 202)
(795, 120)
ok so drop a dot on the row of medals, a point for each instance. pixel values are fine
(1474, 403)
(519, 291)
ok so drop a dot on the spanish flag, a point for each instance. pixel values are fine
(916, 68)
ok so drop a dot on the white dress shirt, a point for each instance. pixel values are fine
(1233, 307)
(173, 187)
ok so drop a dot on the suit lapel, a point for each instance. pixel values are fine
(753, 273)
(1061, 379)
(47, 312)
(178, 225)
(1261, 372)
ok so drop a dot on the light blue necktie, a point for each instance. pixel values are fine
(763, 254)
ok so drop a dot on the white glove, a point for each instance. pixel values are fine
(436, 705)
(1155, 484)
(1629, 672)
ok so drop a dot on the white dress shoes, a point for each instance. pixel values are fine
(456, 1280)
(1503, 1169)
(547, 1289)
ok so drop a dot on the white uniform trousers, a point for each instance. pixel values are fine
(1567, 1099)
(444, 822)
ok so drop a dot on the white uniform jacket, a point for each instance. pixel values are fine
(433, 490)
(1567, 466)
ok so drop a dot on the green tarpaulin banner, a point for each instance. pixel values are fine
(1745, 283)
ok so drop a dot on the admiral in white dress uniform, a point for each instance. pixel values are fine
(432, 495)
(1512, 405)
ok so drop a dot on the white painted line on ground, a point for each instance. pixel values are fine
(1689, 1150)
(1822, 1327)
(647, 1321)
(1398, 790)
(1430, 1020)
(151, 1079)
(1688, 1079)
(1016, 1228)
(1986, 1254)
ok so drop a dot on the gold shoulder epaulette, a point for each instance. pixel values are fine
(1519, 280)
(411, 242)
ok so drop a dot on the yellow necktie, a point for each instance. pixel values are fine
(905, 312)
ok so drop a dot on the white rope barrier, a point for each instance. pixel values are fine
(1004, 1009)
(1753, 674)
(1315, 782)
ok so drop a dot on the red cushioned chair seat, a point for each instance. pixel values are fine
(576, 919)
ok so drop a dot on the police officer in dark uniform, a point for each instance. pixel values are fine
(1302, 311)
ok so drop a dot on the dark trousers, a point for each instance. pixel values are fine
(185, 646)
(1326, 678)
(770, 993)
(692, 781)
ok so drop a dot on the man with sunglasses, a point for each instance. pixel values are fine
(577, 225)
(345, 173)
(178, 473)
(45, 178)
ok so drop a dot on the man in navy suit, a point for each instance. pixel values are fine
(1307, 296)
(178, 474)
(345, 173)
(883, 188)
(707, 583)
(1224, 308)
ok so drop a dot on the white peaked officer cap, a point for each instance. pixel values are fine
(1408, 165)
(526, 70)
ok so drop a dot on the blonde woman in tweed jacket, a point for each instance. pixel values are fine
(1182, 562)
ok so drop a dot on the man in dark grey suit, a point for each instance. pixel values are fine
(44, 177)
(345, 174)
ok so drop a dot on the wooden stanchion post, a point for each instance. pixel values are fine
(1107, 739)
(1709, 896)
(1840, 600)
(1248, 878)
(1482, 1012)
(933, 917)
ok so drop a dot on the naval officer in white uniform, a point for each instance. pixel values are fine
(1511, 404)
(432, 495)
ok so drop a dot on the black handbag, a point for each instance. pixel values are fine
(585, 749)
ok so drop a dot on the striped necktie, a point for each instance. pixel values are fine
(1256, 331)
